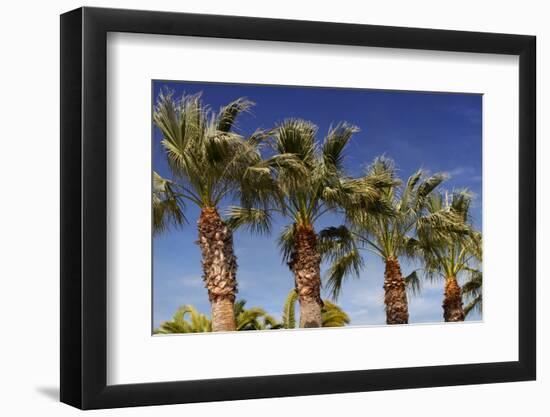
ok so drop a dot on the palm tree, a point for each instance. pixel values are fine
(254, 318)
(331, 314)
(387, 236)
(312, 185)
(197, 323)
(188, 320)
(450, 253)
(208, 161)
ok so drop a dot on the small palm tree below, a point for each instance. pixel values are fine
(188, 320)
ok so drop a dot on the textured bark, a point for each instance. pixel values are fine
(452, 301)
(223, 314)
(305, 262)
(395, 296)
(219, 266)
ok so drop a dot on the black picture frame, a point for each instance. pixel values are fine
(84, 207)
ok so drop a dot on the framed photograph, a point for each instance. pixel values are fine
(261, 208)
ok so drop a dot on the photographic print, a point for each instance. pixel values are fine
(337, 202)
(288, 207)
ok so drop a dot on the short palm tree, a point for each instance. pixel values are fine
(186, 320)
(254, 318)
(331, 314)
(386, 235)
(451, 253)
(208, 161)
(312, 185)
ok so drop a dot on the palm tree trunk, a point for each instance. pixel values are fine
(452, 302)
(219, 266)
(305, 262)
(395, 297)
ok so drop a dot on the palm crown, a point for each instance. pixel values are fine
(203, 150)
(449, 252)
(389, 236)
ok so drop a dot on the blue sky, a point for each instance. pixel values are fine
(435, 131)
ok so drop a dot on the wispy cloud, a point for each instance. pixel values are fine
(461, 171)
(465, 173)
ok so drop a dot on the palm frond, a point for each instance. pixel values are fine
(472, 292)
(226, 117)
(333, 316)
(349, 264)
(289, 310)
(167, 205)
(197, 322)
(339, 246)
(442, 222)
(473, 286)
(254, 318)
(429, 185)
(475, 305)
(256, 220)
(296, 136)
(286, 241)
(413, 284)
(408, 191)
(335, 143)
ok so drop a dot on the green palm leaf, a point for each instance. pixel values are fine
(228, 114)
(335, 143)
(257, 220)
(413, 283)
(333, 316)
(289, 310)
(167, 205)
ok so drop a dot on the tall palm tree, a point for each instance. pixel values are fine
(331, 314)
(208, 161)
(314, 184)
(450, 253)
(387, 236)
